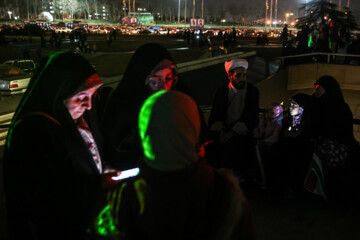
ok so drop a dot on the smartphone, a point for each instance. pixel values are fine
(127, 174)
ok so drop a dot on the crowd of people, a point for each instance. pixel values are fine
(71, 141)
(323, 39)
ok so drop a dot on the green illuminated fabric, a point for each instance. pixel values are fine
(169, 127)
(140, 186)
(144, 119)
(107, 220)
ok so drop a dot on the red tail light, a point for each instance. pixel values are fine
(13, 85)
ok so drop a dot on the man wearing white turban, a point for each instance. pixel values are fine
(234, 116)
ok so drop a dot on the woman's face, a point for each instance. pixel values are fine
(162, 80)
(319, 90)
(80, 102)
(294, 108)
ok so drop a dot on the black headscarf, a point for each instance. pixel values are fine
(120, 128)
(302, 99)
(56, 78)
(141, 64)
(332, 88)
(333, 117)
(300, 122)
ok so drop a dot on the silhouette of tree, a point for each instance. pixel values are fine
(319, 12)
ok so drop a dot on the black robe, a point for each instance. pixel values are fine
(50, 177)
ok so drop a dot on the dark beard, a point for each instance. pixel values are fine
(239, 86)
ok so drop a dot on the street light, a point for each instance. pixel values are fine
(202, 9)
(179, 13)
(287, 15)
(9, 12)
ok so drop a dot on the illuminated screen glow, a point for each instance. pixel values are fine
(126, 174)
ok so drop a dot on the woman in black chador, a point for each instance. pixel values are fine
(332, 129)
(150, 69)
(52, 161)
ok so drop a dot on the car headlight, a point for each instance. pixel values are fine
(4, 86)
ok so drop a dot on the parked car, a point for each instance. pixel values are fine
(63, 29)
(13, 80)
(25, 65)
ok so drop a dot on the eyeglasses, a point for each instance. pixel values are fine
(158, 81)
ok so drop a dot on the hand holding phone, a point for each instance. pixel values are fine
(112, 178)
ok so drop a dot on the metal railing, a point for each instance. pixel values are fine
(329, 55)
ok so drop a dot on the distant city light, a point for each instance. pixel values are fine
(223, 20)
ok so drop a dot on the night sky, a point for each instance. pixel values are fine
(353, 3)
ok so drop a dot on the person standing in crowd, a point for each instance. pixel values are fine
(284, 36)
(25, 50)
(234, 117)
(52, 159)
(108, 39)
(233, 38)
(176, 194)
(150, 69)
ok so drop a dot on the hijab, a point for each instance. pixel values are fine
(299, 121)
(56, 78)
(142, 63)
(332, 89)
(169, 126)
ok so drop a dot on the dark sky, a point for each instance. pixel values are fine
(353, 3)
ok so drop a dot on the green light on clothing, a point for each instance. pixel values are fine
(310, 42)
(144, 119)
(105, 223)
(140, 186)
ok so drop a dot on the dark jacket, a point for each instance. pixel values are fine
(250, 114)
(50, 177)
(177, 195)
(198, 202)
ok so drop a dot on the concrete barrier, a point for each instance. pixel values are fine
(189, 66)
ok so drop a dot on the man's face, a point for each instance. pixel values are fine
(79, 103)
(238, 77)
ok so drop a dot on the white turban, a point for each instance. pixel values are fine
(236, 63)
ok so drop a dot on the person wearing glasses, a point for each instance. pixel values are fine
(150, 70)
(233, 118)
